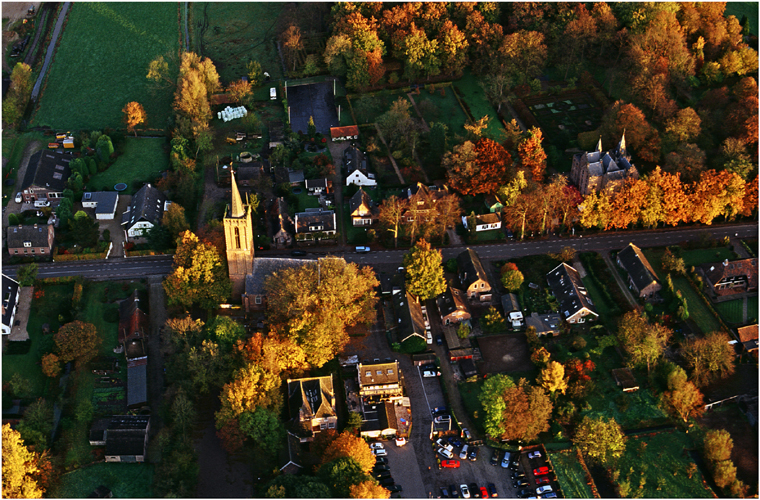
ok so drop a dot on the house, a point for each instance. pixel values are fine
(726, 280)
(361, 209)
(493, 204)
(292, 466)
(295, 177)
(137, 382)
(133, 322)
(276, 134)
(104, 203)
(356, 168)
(146, 210)
(509, 303)
(312, 405)
(283, 223)
(380, 380)
(30, 240)
(641, 276)
(544, 324)
(452, 306)
(487, 222)
(11, 294)
(254, 298)
(318, 186)
(452, 339)
(422, 201)
(315, 223)
(46, 176)
(344, 133)
(409, 318)
(127, 438)
(247, 175)
(385, 419)
(747, 337)
(594, 171)
(574, 303)
(472, 276)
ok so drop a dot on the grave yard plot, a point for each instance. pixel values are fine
(563, 117)
(313, 100)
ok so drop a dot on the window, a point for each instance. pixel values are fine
(258, 299)
(237, 237)
(482, 285)
(331, 425)
(379, 372)
(323, 425)
(42, 250)
(389, 371)
(27, 244)
(368, 374)
(15, 251)
(32, 250)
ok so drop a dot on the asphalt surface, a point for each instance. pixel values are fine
(51, 50)
(315, 100)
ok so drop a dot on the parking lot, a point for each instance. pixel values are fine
(480, 472)
(404, 469)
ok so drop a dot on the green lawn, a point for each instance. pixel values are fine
(740, 9)
(124, 480)
(304, 201)
(447, 110)
(488, 236)
(705, 255)
(13, 146)
(731, 311)
(101, 63)
(472, 94)
(662, 461)
(469, 391)
(570, 475)
(143, 160)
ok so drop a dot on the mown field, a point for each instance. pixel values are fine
(143, 160)
(101, 63)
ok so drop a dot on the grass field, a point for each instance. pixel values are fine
(235, 33)
(143, 160)
(705, 255)
(469, 391)
(740, 9)
(101, 65)
(570, 475)
(447, 110)
(731, 311)
(662, 462)
(472, 94)
(124, 480)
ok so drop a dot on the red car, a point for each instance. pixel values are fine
(541, 471)
(542, 480)
(483, 492)
(451, 464)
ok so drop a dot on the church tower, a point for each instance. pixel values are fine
(238, 236)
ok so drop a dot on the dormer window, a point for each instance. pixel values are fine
(28, 244)
(379, 372)
(368, 374)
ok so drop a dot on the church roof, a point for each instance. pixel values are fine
(237, 209)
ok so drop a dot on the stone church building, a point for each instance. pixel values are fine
(595, 171)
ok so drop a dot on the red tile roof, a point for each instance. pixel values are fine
(336, 132)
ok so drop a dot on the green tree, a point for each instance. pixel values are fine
(312, 130)
(354, 422)
(183, 412)
(37, 424)
(225, 331)
(463, 330)
(341, 474)
(27, 274)
(424, 271)
(643, 342)
(65, 211)
(78, 341)
(255, 73)
(104, 148)
(264, 428)
(83, 231)
(682, 399)
(511, 277)
(491, 398)
(710, 357)
(599, 439)
(297, 486)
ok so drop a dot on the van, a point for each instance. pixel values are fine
(362, 249)
(273, 93)
(41, 203)
(463, 453)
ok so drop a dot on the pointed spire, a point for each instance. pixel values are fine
(599, 144)
(621, 147)
(237, 203)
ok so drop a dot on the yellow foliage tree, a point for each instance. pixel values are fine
(369, 489)
(134, 114)
(19, 466)
(552, 378)
(251, 387)
(348, 445)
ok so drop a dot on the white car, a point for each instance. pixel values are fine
(446, 453)
(534, 454)
(428, 373)
(400, 441)
(18, 198)
(464, 490)
(543, 489)
(380, 452)
(376, 446)
(429, 338)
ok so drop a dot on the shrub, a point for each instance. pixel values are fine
(578, 343)
(413, 345)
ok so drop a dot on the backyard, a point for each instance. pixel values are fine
(143, 161)
(124, 480)
(470, 91)
(101, 63)
(570, 474)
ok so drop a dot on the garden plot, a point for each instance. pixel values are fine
(563, 117)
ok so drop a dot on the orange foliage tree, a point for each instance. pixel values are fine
(78, 341)
(51, 365)
(369, 489)
(532, 155)
(134, 114)
(348, 445)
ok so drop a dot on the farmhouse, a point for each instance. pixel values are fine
(315, 223)
(318, 186)
(254, 298)
(133, 322)
(137, 382)
(574, 302)
(104, 203)
(361, 209)
(472, 276)
(46, 176)
(747, 337)
(283, 223)
(295, 177)
(726, 280)
(312, 405)
(544, 324)
(594, 171)
(127, 438)
(452, 306)
(147, 210)
(10, 303)
(422, 200)
(30, 240)
(641, 276)
(344, 133)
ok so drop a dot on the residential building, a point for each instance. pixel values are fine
(642, 278)
(254, 298)
(347, 133)
(422, 201)
(356, 168)
(133, 321)
(487, 222)
(472, 276)
(726, 280)
(247, 174)
(574, 303)
(493, 204)
(315, 223)
(104, 203)
(361, 209)
(137, 382)
(409, 318)
(594, 171)
(147, 210)
(282, 223)
(295, 177)
(312, 405)
(30, 240)
(748, 338)
(238, 237)
(380, 380)
(452, 306)
(544, 324)
(127, 438)
(11, 294)
(46, 175)
(318, 186)
(509, 303)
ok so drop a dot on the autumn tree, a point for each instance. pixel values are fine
(716, 194)
(348, 445)
(519, 412)
(240, 91)
(368, 489)
(682, 399)
(640, 136)
(552, 378)
(526, 54)
(134, 114)
(14, 104)
(644, 342)
(475, 168)
(175, 221)
(492, 400)
(717, 448)
(255, 73)
(685, 126)
(78, 341)
(293, 43)
(424, 271)
(341, 474)
(511, 277)
(601, 440)
(452, 46)
(198, 275)
(19, 467)
(710, 357)
(251, 387)
(51, 365)
(492, 321)
(313, 304)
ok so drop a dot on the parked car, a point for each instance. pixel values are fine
(495, 458)
(439, 410)
(439, 339)
(450, 464)
(362, 249)
(543, 480)
(376, 446)
(506, 460)
(395, 488)
(455, 441)
(385, 482)
(442, 418)
(520, 483)
(383, 474)
(429, 338)
(473, 456)
(381, 460)
(454, 491)
(444, 492)
(445, 453)
(541, 471)
(492, 490)
(551, 494)
(428, 373)
(466, 434)
(525, 493)
(380, 452)
(534, 454)
(18, 197)
(380, 467)
(483, 492)
(465, 490)
(543, 489)
(474, 490)
(443, 444)
(400, 441)
(298, 253)
(517, 475)
(463, 453)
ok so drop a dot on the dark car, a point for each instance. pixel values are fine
(381, 468)
(395, 488)
(444, 492)
(454, 491)
(496, 457)
(520, 483)
(492, 490)
(386, 481)
(517, 475)
(475, 490)
(473, 455)
(298, 253)
(439, 339)
(526, 493)
(381, 460)
(383, 474)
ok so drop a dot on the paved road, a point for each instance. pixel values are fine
(102, 270)
(50, 50)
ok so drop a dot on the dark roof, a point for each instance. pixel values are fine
(637, 266)
(98, 429)
(489, 218)
(359, 198)
(296, 176)
(323, 218)
(105, 201)
(10, 296)
(378, 373)
(247, 172)
(730, 269)
(147, 204)
(126, 435)
(451, 300)
(137, 382)
(48, 169)
(36, 234)
(568, 288)
(315, 183)
(311, 397)
(409, 316)
(544, 323)
(509, 303)
(265, 267)
(354, 159)
(470, 268)
(468, 367)
(292, 453)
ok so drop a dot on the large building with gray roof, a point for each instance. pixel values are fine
(104, 203)
(147, 209)
(46, 176)
(595, 171)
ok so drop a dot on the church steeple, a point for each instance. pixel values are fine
(599, 144)
(237, 209)
(621, 147)
(238, 237)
